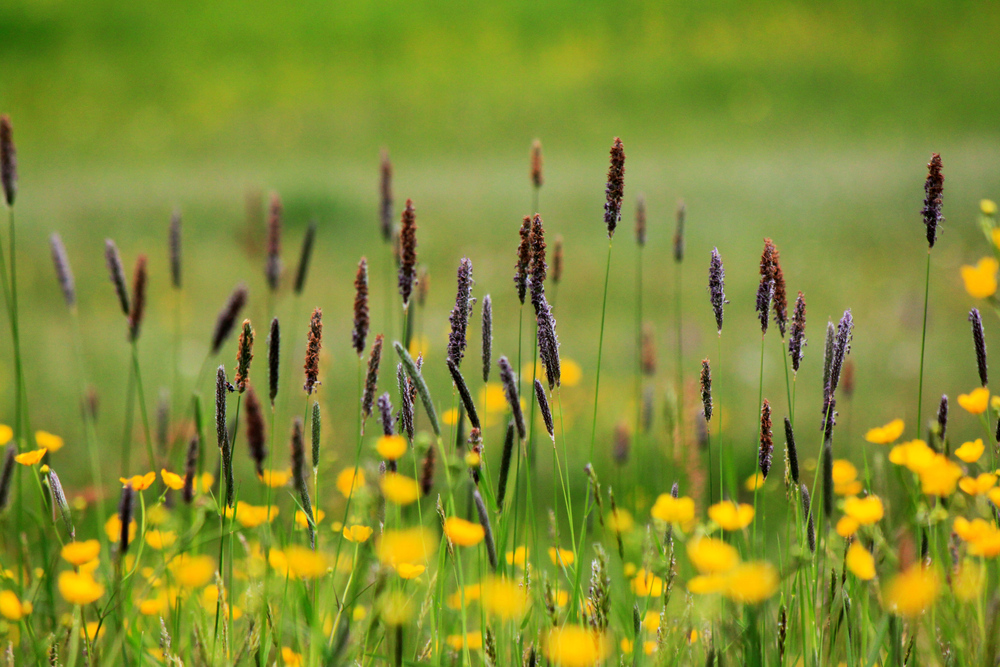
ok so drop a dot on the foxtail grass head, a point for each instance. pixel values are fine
(191, 468)
(361, 322)
(717, 287)
(385, 190)
(615, 189)
(8, 160)
(942, 417)
(125, 517)
(679, 232)
(227, 317)
(385, 416)
(487, 337)
(933, 189)
(780, 302)
(371, 380)
(272, 269)
(523, 259)
(459, 318)
(315, 342)
(706, 389)
(244, 355)
(407, 252)
(979, 341)
(175, 250)
(307, 247)
(7, 474)
(64, 273)
(807, 513)
(543, 406)
(791, 453)
(256, 432)
(138, 309)
(765, 290)
(557, 260)
(797, 332)
(537, 177)
(427, 471)
(640, 220)
(766, 450)
(405, 402)
(548, 344)
(117, 272)
(620, 446)
(273, 359)
(509, 382)
(538, 269)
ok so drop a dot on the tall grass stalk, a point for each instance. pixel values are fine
(600, 351)
(923, 342)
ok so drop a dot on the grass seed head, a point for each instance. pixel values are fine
(117, 273)
(272, 269)
(385, 190)
(361, 321)
(933, 189)
(315, 342)
(615, 189)
(227, 317)
(64, 273)
(407, 251)
(308, 241)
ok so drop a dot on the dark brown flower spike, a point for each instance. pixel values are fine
(138, 298)
(385, 190)
(459, 318)
(487, 336)
(536, 163)
(227, 317)
(780, 295)
(308, 241)
(190, 468)
(313, 346)
(222, 432)
(273, 268)
(509, 382)
(385, 417)
(766, 442)
(615, 189)
(523, 259)
(933, 189)
(117, 272)
(407, 252)
(796, 336)
(371, 381)
(640, 220)
(317, 426)
(765, 290)
(807, 512)
(405, 402)
(427, 471)
(360, 332)
(538, 269)
(979, 342)
(7, 475)
(175, 249)
(484, 521)
(256, 432)
(706, 389)
(273, 359)
(8, 160)
(413, 371)
(125, 517)
(548, 343)
(244, 355)
(543, 405)
(64, 272)
(791, 452)
(557, 260)
(717, 286)
(508, 451)
(942, 417)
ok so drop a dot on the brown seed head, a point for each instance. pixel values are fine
(312, 350)
(780, 296)
(648, 350)
(117, 272)
(371, 380)
(536, 163)
(256, 433)
(385, 210)
(407, 251)
(766, 441)
(933, 189)
(640, 220)
(138, 298)
(8, 160)
(227, 317)
(244, 354)
(615, 189)
(273, 268)
(523, 259)
(557, 260)
(360, 333)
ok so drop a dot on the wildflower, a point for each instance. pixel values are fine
(407, 252)
(251, 516)
(79, 588)
(160, 540)
(411, 545)
(31, 458)
(679, 511)
(885, 435)
(350, 479)
(518, 556)
(504, 598)
(971, 451)
(409, 570)
(865, 511)
(139, 482)
(472, 640)
(981, 280)
(256, 432)
(860, 562)
(575, 646)
(171, 480)
(987, 207)
(6, 434)
(646, 584)
(716, 287)
(711, 556)
(766, 443)
(361, 319)
(93, 630)
(113, 528)
(846, 526)
(845, 481)
(751, 583)
(400, 489)
(754, 482)
(615, 189)
(975, 486)
(463, 533)
(730, 515)
(192, 571)
(391, 447)
(302, 521)
(561, 557)
(976, 401)
(279, 478)
(273, 359)
(471, 593)
(913, 591)
(12, 608)
(983, 538)
(78, 553)
(941, 477)
(357, 533)
(915, 455)
(304, 563)
(290, 658)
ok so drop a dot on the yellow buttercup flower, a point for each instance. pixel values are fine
(846, 526)
(400, 489)
(570, 373)
(575, 646)
(409, 570)
(302, 521)
(192, 571)
(350, 480)
(845, 482)
(472, 640)
(941, 477)
(12, 608)
(93, 630)
(646, 584)
(711, 556)
(113, 529)
(139, 482)
(411, 545)
(679, 511)
(865, 511)
(48, 441)
(357, 533)
(860, 562)
(981, 279)
(885, 435)
(730, 515)
(504, 598)
(463, 533)
(492, 397)
(251, 516)
(391, 447)
(78, 553)
(970, 451)
(988, 207)
(707, 584)
(472, 593)
(290, 658)
(171, 479)
(473, 459)
(915, 455)
(976, 401)
(620, 521)
(6, 434)
(304, 563)
(279, 478)
(751, 583)
(31, 458)
(561, 557)
(754, 481)
(983, 538)
(975, 486)
(518, 556)
(79, 588)
(994, 495)
(160, 539)
(153, 606)
(913, 591)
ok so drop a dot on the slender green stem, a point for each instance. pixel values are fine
(600, 351)
(142, 406)
(923, 342)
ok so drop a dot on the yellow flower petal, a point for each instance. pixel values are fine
(981, 280)
(31, 458)
(865, 511)
(710, 555)
(730, 515)
(912, 592)
(78, 553)
(6, 434)
(970, 451)
(860, 562)
(400, 489)
(885, 435)
(976, 401)
(51, 442)
(350, 480)
(171, 479)
(463, 533)
(391, 447)
(409, 570)
(79, 588)
(357, 533)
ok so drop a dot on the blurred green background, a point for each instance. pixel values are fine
(810, 123)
